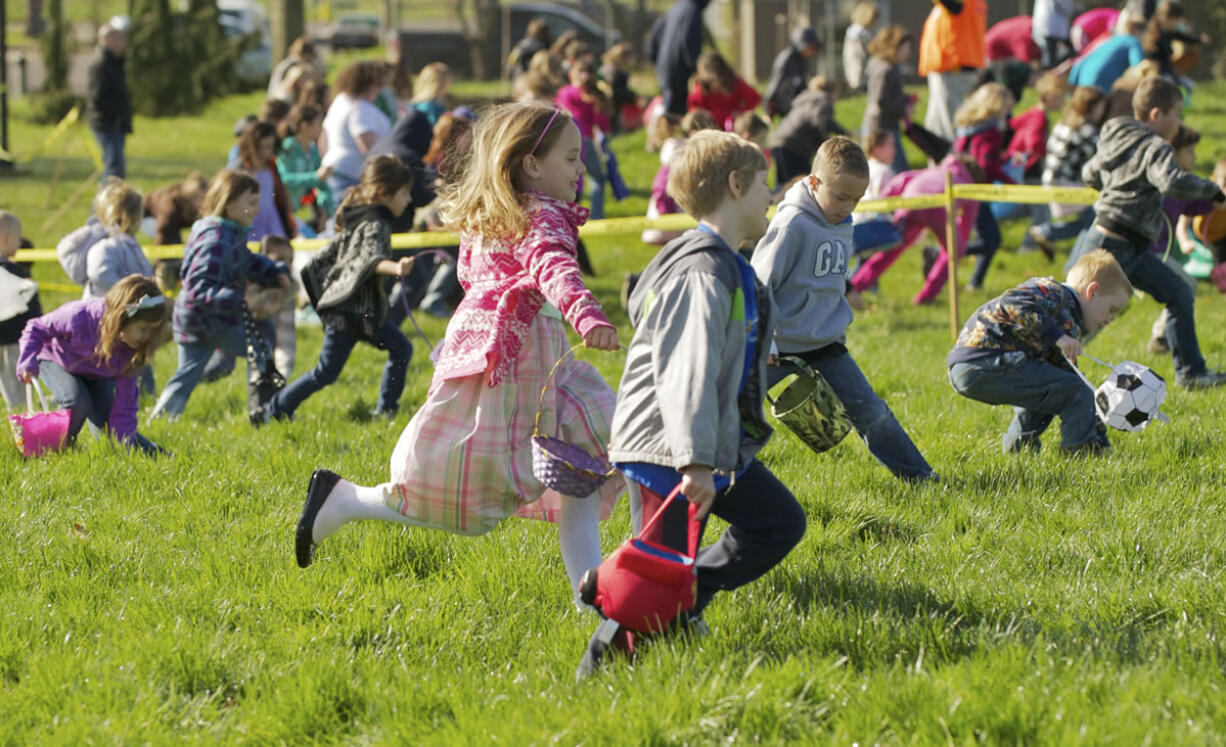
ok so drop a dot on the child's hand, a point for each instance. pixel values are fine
(601, 338)
(284, 281)
(698, 485)
(25, 376)
(404, 265)
(323, 172)
(1070, 346)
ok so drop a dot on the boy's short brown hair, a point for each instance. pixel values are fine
(697, 120)
(877, 138)
(1052, 84)
(750, 123)
(698, 176)
(1099, 266)
(840, 155)
(1155, 93)
(824, 84)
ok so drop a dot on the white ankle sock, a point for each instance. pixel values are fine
(348, 502)
(579, 535)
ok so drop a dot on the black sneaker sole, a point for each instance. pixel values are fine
(322, 483)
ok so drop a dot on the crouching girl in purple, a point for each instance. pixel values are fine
(90, 353)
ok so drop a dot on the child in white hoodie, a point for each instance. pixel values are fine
(803, 259)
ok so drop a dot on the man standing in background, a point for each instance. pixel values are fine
(108, 102)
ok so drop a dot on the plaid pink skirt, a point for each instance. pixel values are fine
(464, 462)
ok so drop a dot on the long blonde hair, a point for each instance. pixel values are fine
(121, 310)
(488, 198)
(432, 79)
(988, 102)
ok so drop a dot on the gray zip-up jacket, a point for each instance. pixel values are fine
(1133, 169)
(803, 259)
(680, 401)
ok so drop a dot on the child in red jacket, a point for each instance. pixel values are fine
(719, 90)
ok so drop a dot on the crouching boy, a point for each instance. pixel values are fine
(1015, 350)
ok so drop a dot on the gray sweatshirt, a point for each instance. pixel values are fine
(680, 400)
(803, 259)
(1133, 169)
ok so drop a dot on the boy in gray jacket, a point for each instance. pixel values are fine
(803, 259)
(1133, 168)
(689, 407)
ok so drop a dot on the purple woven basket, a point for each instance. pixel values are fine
(566, 468)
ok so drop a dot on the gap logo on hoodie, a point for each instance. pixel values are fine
(832, 256)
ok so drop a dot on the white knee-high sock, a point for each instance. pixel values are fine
(579, 535)
(348, 502)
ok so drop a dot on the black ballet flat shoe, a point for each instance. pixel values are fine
(322, 483)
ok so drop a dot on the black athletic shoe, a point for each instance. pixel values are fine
(322, 482)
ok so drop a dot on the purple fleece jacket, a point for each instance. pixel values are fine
(67, 337)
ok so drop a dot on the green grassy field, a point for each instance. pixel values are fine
(1022, 600)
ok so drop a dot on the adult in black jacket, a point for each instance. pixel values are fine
(677, 42)
(109, 104)
(790, 71)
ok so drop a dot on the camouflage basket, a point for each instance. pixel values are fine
(809, 408)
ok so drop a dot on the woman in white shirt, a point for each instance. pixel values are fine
(352, 126)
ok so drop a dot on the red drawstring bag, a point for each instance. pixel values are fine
(643, 585)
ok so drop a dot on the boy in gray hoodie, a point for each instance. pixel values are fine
(803, 259)
(689, 406)
(1134, 168)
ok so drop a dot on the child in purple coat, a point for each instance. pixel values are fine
(90, 353)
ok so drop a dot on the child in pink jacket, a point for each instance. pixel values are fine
(913, 222)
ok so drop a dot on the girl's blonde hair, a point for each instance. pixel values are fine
(227, 187)
(866, 14)
(885, 43)
(382, 177)
(988, 102)
(489, 198)
(121, 310)
(120, 208)
(430, 81)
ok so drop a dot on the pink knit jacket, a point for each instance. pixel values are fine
(506, 282)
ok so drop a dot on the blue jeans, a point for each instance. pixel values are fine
(1068, 229)
(875, 236)
(337, 346)
(985, 246)
(1038, 392)
(1149, 274)
(87, 399)
(594, 179)
(111, 142)
(193, 358)
(878, 428)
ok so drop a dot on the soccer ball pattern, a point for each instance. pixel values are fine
(1130, 397)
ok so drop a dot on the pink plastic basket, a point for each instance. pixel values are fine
(36, 433)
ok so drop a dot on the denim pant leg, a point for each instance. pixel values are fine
(443, 285)
(594, 178)
(192, 360)
(112, 143)
(1071, 228)
(399, 351)
(900, 157)
(333, 355)
(1149, 274)
(986, 246)
(220, 366)
(878, 428)
(765, 523)
(1037, 390)
(69, 392)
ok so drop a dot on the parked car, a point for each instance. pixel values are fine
(419, 46)
(247, 21)
(357, 30)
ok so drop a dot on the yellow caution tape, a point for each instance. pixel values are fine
(628, 226)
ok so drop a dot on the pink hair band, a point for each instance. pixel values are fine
(541, 137)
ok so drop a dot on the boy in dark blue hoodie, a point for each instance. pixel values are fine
(1134, 167)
